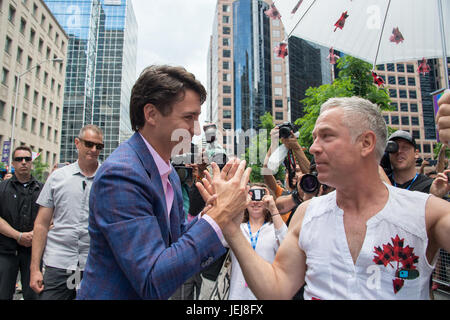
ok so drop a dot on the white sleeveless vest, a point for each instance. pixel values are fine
(392, 263)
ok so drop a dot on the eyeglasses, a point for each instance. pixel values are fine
(20, 159)
(90, 144)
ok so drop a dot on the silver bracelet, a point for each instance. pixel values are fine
(20, 237)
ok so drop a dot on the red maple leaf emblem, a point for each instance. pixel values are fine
(404, 256)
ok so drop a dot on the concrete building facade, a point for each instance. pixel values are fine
(30, 39)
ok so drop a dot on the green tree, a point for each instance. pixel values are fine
(39, 169)
(261, 142)
(355, 79)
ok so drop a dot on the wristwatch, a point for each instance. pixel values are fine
(296, 197)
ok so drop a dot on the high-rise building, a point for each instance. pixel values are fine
(33, 49)
(308, 67)
(100, 69)
(246, 78)
(410, 93)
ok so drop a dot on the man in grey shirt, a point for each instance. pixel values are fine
(64, 200)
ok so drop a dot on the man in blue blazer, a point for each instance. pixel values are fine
(141, 247)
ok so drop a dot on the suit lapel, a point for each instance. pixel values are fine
(138, 144)
(175, 212)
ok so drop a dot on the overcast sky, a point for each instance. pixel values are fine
(174, 32)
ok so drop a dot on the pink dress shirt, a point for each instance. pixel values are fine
(164, 169)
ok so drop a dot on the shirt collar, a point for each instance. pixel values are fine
(164, 168)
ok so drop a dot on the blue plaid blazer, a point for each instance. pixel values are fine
(133, 253)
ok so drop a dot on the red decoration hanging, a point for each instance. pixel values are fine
(396, 36)
(332, 58)
(341, 22)
(281, 50)
(296, 7)
(377, 79)
(273, 12)
(423, 68)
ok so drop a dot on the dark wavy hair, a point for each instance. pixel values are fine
(162, 86)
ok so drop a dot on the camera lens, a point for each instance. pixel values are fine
(309, 183)
(285, 132)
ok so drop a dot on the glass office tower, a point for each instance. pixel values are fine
(100, 69)
(252, 63)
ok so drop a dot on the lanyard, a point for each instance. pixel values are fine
(254, 240)
(395, 183)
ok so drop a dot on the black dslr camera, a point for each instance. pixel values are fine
(285, 129)
(385, 163)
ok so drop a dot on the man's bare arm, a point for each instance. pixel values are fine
(285, 276)
(438, 225)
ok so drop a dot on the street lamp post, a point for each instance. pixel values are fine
(59, 60)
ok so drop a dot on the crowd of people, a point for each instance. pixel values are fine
(139, 226)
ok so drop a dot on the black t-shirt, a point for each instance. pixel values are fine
(422, 184)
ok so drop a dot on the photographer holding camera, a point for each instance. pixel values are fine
(296, 161)
(265, 230)
(403, 163)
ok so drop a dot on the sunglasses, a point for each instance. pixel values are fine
(90, 144)
(20, 159)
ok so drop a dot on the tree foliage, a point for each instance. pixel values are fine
(355, 79)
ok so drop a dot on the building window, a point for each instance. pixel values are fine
(390, 67)
(23, 25)
(24, 120)
(227, 77)
(400, 67)
(391, 80)
(226, 41)
(2, 109)
(404, 107)
(226, 53)
(226, 19)
(386, 119)
(8, 44)
(225, 8)
(278, 91)
(11, 14)
(410, 68)
(394, 120)
(278, 103)
(278, 79)
(227, 125)
(402, 94)
(19, 55)
(415, 121)
(226, 65)
(401, 81)
(393, 93)
(226, 30)
(405, 121)
(426, 148)
(278, 115)
(381, 67)
(227, 114)
(226, 89)
(277, 67)
(276, 33)
(416, 134)
(412, 94)
(227, 102)
(413, 107)
(32, 36)
(4, 77)
(394, 105)
(411, 81)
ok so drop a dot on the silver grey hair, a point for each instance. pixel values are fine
(361, 115)
(91, 127)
